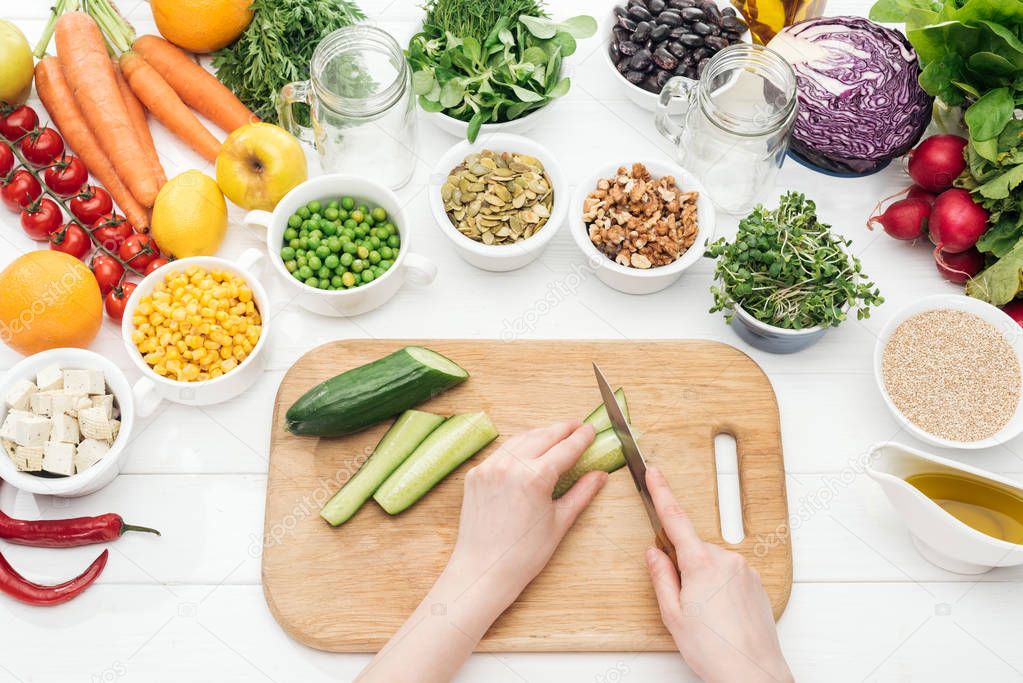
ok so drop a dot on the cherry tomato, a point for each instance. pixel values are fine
(154, 264)
(111, 230)
(6, 161)
(139, 251)
(90, 204)
(21, 190)
(117, 298)
(42, 147)
(108, 272)
(18, 122)
(71, 239)
(38, 220)
(67, 176)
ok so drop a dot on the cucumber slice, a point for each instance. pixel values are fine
(404, 436)
(605, 453)
(368, 394)
(447, 447)
(599, 419)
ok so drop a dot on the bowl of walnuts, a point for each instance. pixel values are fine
(641, 225)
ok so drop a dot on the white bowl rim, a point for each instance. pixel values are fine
(746, 316)
(506, 142)
(991, 314)
(71, 484)
(273, 251)
(206, 262)
(684, 180)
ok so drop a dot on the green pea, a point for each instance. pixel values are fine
(330, 214)
(346, 260)
(368, 220)
(374, 242)
(303, 212)
(363, 208)
(351, 223)
(324, 274)
(333, 204)
(308, 225)
(304, 242)
(374, 257)
(357, 266)
(301, 260)
(315, 263)
(333, 244)
(297, 275)
(367, 276)
(386, 253)
(379, 215)
(290, 234)
(314, 206)
(332, 261)
(294, 221)
(386, 263)
(317, 233)
(295, 243)
(330, 229)
(348, 233)
(391, 230)
(287, 253)
(348, 203)
(305, 272)
(393, 242)
(358, 216)
(336, 282)
(349, 247)
(291, 266)
(360, 231)
(348, 279)
(342, 215)
(363, 252)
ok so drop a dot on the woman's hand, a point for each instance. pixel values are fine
(717, 610)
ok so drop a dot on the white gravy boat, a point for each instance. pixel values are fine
(941, 538)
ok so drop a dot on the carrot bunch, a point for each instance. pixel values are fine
(100, 104)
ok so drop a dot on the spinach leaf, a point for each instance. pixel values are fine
(988, 116)
(1000, 283)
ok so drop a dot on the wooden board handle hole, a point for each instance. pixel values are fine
(726, 466)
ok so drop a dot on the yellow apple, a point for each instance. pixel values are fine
(15, 64)
(258, 164)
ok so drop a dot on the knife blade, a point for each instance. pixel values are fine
(634, 460)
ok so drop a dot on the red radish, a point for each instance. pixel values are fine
(957, 222)
(1014, 309)
(960, 267)
(905, 219)
(917, 192)
(937, 161)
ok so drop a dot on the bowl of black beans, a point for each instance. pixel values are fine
(654, 40)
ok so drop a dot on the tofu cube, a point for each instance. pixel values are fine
(94, 424)
(65, 429)
(20, 395)
(50, 378)
(9, 447)
(89, 453)
(28, 458)
(42, 403)
(106, 402)
(84, 382)
(59, 458)
(65, 402)
(7, 427)
(31, 430)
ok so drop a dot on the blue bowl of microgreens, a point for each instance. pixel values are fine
(786, 278)
(491, 66)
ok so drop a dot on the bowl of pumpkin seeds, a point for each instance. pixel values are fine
(500, 200)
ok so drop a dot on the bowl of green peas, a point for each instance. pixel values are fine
(341, 244)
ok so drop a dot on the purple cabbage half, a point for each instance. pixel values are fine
(860, 101)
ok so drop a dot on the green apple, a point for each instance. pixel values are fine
(16, 66)
(258, 164)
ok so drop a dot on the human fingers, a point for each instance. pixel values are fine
(565, 453)
(667, 585)
(673, 517)
(576, 499)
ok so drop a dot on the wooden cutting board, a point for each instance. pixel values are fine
(347, 589)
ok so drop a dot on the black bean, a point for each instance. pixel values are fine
(626, 23)
(635, 76)
(728, 12)
(681, 4)
(733, 36)
(693, 14)
(701, 65)
(688, 59)
(642, 31)
(732, 24)
(662, 78)
(620, 11)
(623, 66)
(664, 59)
(702, 53)
(618, 33)
(713, 13)
(678, 49)
(614, 52)
(700, 28)
(659, 33)
(640, 13)
(656, 6)
(692, 40)
(641, 61)
(691, 72)
(628, 48)
(669, 17)
(715, 42)
(636, 3)
(677, 32)
(650, 83)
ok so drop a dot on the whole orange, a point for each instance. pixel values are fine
(48, 299)
(201, 25)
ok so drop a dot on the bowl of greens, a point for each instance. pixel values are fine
(492, 66)
(786, 278)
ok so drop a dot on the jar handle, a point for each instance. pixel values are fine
(294, 93)
(680, 88)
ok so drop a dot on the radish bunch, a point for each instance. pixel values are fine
(948, 215)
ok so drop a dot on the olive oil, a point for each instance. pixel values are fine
(767, 17)
(987, 507)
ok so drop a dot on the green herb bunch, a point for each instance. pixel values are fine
(787, 269)
(277, 47)
(494, 61)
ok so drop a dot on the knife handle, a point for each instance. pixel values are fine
(665, 546)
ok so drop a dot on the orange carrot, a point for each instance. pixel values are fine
(166, 106)
(196, 86)
(56, 97)
(137, 113)
(90, 75)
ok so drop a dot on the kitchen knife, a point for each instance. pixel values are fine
(634, 459)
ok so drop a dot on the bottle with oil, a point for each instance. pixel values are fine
(767, 17)
(961, 518)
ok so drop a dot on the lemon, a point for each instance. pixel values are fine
(190, 215)
(16, 64)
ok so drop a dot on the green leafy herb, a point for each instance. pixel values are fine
(276, 49)
(1000, 283)
(495, 61)
(787, 269)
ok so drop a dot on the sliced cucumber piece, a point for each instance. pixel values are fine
(605, 453)
(404, 436)
(599, 419)
(447, 447)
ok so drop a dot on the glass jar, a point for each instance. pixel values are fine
(733, 131)
(361, 106)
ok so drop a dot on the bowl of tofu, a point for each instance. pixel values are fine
(65, 420)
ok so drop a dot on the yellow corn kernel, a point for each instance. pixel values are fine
(156, 319)
(160, 370)
(229, 364)
(137, 337)
(225, 352)
(190, 372)
(173, 365)
(210, 344)
(239, 353)
(247, 346)
(252, 334)
(244, 294)
(216, 372)
(172, 354)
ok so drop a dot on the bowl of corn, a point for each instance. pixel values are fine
(195, 329)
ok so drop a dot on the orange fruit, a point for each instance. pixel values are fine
(50, 299)
(201, 25)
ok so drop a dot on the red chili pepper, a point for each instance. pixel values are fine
(20, 588)
(66, 533)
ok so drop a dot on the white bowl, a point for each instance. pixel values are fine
(346, 302)
(1010, 330)
(499, 257)
(104, 471)
(637, 280)
(151, 389)
(640, 97)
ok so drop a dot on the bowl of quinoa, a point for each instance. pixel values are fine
(948, 367)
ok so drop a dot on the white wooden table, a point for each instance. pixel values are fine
(189, 606)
